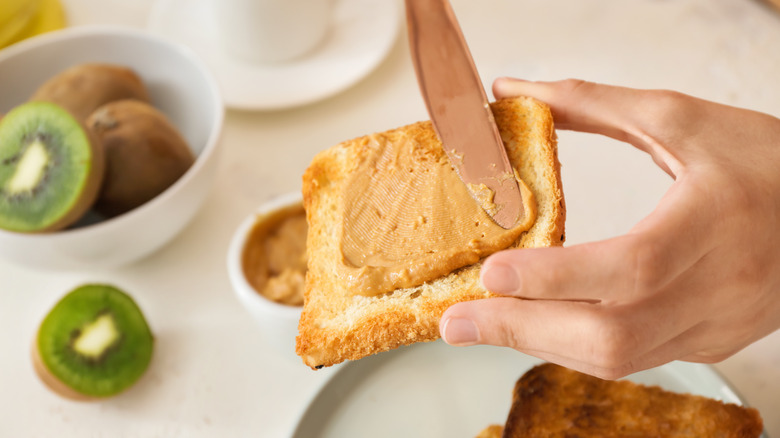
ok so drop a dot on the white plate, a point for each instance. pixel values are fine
(435, 390)
(361, 35)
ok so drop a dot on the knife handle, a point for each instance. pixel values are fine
(432, 21)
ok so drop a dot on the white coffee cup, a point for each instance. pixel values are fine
(271, 31)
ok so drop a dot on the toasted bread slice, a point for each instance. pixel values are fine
(553, 401)
(337, 325)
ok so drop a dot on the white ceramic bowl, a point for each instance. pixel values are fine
(179, 85)
(278, 322)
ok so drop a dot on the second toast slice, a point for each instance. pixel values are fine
(553, 401)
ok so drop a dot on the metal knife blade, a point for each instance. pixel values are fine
(458, 106)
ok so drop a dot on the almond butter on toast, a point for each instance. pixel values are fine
(338, 324)
(553, 401)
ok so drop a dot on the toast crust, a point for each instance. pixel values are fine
(553, 401)
(337, 325)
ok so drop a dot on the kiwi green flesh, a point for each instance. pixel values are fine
(45, 164)
(114, 368)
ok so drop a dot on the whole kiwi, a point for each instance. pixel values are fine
(83, 88)
(145, 154)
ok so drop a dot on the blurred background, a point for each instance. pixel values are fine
(211, 374)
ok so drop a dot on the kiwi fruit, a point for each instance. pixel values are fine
(93, 344)
(145, 154)
(83, 88)
(51, 168)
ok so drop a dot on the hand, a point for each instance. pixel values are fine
(696, 280)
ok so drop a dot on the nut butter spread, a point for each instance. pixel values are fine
(408, 219)
(274, 258)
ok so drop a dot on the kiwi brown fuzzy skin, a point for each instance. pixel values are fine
(145, 154)
(83, 88)
(52, 382)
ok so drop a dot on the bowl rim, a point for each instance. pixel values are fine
(206, 154)
(243, 290)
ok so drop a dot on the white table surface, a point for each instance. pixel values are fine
(212, 374)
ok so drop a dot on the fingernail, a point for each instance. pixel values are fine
(460, 331)
(500, 278)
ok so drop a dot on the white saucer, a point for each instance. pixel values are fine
(361, 35)
(433, 389)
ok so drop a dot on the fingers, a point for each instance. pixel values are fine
(566, 333)
(619, 270)
(611, 340)
(597, 340)
(594, 272)
(625, 114)
(578, 105)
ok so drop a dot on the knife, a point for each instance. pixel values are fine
(458, 107)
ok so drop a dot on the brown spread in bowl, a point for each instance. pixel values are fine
(274, 257)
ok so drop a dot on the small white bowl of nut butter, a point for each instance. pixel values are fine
(267, 266)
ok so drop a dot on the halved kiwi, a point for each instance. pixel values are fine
(51, 168)
(94, 343)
